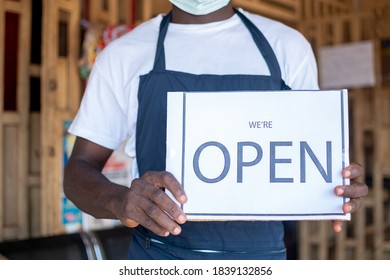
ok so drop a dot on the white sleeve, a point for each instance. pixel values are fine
(305, 76)
(101, 118)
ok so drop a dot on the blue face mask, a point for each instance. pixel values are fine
(200, 7)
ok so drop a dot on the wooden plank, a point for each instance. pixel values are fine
(315, 244)
(360, 230)
(13, 6)
(59, 74)
(47, 34)
(35, 145)
(341, 6)
(378, 212)
(340, 239)
(34, 180)
(74, 95)
(35, 70)
(294, 4)
(13, 132)
(11, 118)
(362, 15)
(288, 14)
(324, 229)
(101, 15)
(105, 15)
(378, 176)
(11, 178)
(315, 9)
(317, 12)
(125, 13)
(63, 88)
(309, 8)
(2, 47)
(304, 245)
(24, 107)
(113, 12)
(34, 209)
(358, 138)
(356, 26)
(67, 5)
(49, 84)
(147, 9)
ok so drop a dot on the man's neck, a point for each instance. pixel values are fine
(179, 16)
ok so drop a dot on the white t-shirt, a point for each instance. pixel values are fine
(108, 111)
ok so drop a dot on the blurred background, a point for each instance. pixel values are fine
(47, 48)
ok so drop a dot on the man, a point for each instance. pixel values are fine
(204, 46)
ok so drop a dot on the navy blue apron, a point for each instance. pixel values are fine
(199, 240)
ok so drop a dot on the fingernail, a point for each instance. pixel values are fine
(339, 191)
(347, 173)
(176, 231)
(181, 219)
(183, 198)
(348, 208)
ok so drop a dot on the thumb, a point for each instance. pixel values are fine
(129, 223)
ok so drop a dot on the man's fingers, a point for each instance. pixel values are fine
(161, 201)
(147, 204)
(353, 171)
(155, 215)
(147, 222)
(145, 212)
(337, 226)
(130, 223)
(353, 205)
(355, 190)
(167, 180)
(151, 207)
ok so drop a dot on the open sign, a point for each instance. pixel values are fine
(273, 161)
(259, 155)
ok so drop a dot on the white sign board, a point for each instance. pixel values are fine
(259, 155)
(347, 65)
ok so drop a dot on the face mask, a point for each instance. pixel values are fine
(200, 7)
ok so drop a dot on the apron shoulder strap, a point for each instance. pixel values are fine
(263, 45)
(159, 60)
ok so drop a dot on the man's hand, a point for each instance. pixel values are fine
(148, 205)
(355, 191)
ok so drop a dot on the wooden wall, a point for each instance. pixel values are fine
(14, 102)
(60, 99)
(110, 12)
(367, 235)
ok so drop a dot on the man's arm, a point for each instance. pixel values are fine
(143, 203)
(84, 183)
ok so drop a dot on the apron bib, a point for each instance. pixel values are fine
(199, 240)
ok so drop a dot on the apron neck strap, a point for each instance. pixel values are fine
(263, 46)
(258, 37)
(159, 60)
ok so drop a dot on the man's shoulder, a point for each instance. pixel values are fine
(144, 33)
(132, 46)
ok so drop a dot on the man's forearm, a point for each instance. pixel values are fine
(91, 191)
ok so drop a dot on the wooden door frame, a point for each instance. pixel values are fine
(18, 120)
(56, 108)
